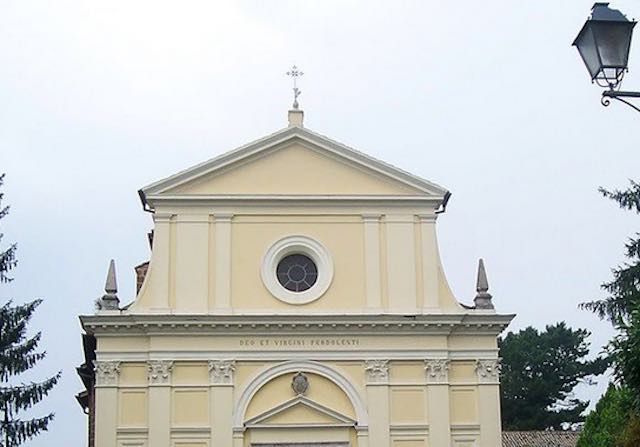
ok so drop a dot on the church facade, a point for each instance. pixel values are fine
(294, 297)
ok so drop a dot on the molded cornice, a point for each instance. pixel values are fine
(439, 324)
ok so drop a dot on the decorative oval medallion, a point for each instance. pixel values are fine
(300, 383)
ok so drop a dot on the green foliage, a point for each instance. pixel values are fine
(8, 256)
(539, 372)
(622, 305)
(605, 425)
(17, 355)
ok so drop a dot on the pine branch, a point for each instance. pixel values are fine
(23, 397)
(19, 431)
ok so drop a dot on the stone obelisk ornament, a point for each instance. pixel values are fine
(300, 384)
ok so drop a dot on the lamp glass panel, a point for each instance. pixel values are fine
(586, 45)
(613, 39)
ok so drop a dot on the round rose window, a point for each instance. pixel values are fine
(297, 272)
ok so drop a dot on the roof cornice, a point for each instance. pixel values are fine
(162, 324)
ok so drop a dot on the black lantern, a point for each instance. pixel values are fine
(604, 42)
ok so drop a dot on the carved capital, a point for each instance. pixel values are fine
(488, 370)
(437, 370)
(377, 370)
(159, 372)
(221, 371)
(107, 372)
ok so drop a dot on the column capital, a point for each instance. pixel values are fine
(107, 372)
(377, 371)
(488, 370)
(221, 372)
(437, 370)
(159, 372)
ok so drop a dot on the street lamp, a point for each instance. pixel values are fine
(603, 43)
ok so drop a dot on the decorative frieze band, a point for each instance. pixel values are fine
(221, 371)
(377, 371)
(159, 372)
(437, 370)
(107, 373)
(488, 370)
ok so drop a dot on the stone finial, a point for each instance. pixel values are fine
(109, 300)
(483, 297)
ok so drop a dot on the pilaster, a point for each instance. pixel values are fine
(223, 262)
(430, 259)
(437, 375)
(106, 403)
(488, 371)
(221, 374)
(160, 261)
(372, 260)
(377, 380)
(159, 376)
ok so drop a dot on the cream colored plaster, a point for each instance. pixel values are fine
(191, 263)
(409, 443)
(123, 344)
(408, 404)
(407, 372)
(190, 407)
(299, 434)
(133, 374)
(190, 374)
(300, 414)
(321, 390)
(211, 258)
(490, 426)
(462, 371)
(132, 407)
(253, 235)
(295, 169)
(172, 263)
(106, 416)
(401, 263)
(464, 404)
(472, 342)
(245, 371)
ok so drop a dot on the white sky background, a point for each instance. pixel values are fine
(488, 99)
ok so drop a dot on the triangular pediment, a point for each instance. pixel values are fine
(300, 411)
(293, 161)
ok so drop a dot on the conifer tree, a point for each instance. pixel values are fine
(622, 306)
(18, 353)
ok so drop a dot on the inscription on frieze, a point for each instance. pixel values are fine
(299, 343)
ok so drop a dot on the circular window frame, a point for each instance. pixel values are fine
(297, 245)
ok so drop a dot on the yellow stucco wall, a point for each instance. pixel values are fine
(287, 171)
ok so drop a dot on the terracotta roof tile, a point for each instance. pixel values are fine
(540, 438)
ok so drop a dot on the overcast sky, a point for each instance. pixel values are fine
(488, 99)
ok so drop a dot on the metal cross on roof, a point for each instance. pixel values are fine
(295, 73)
